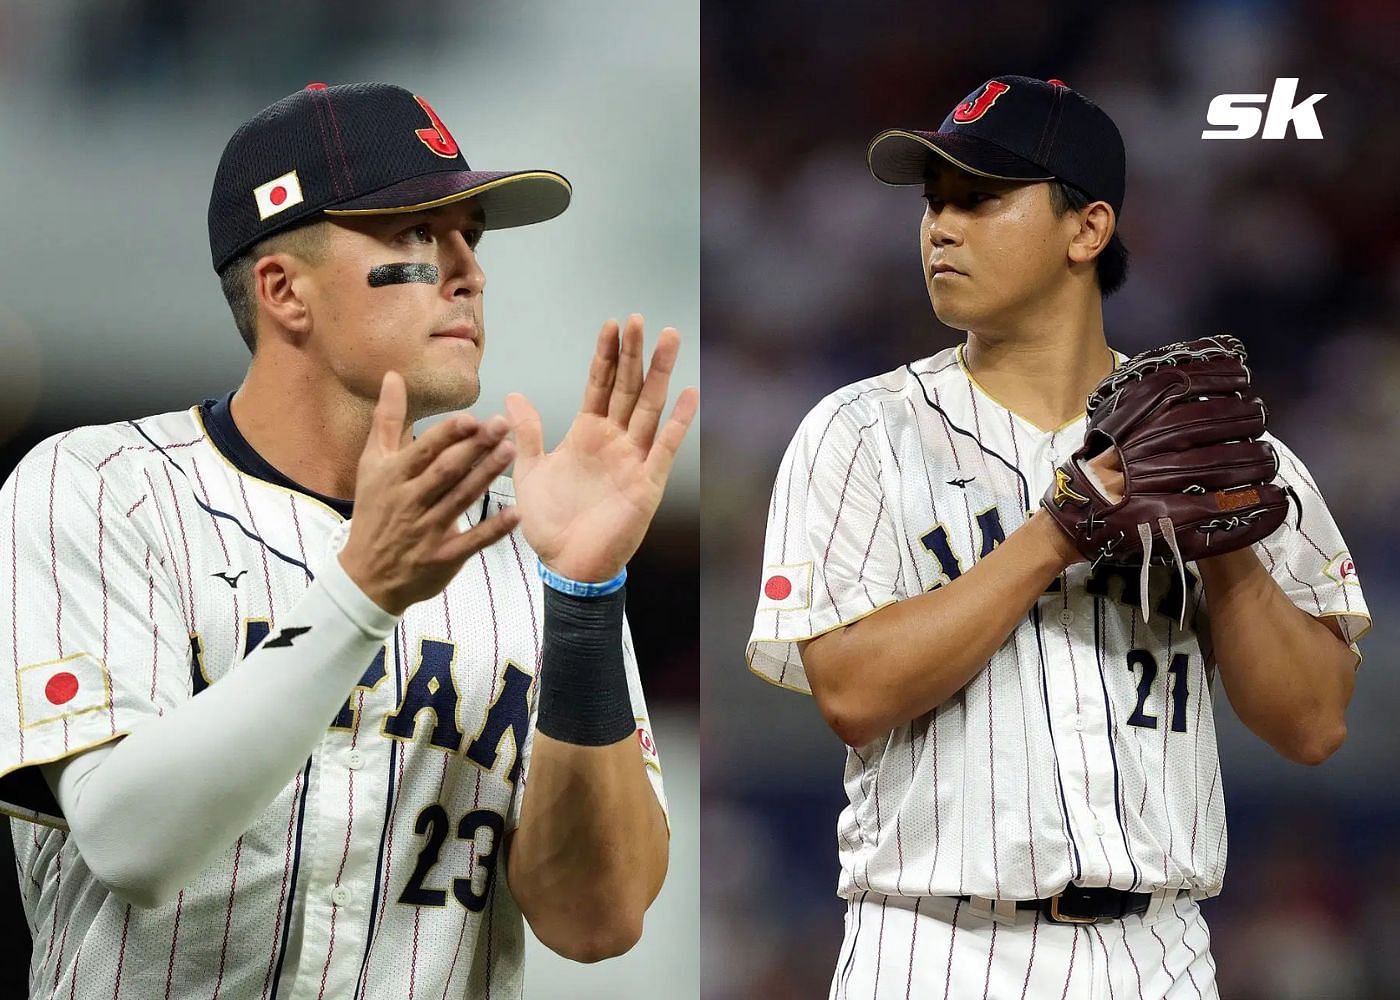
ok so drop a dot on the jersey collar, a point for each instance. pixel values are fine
(218, 420)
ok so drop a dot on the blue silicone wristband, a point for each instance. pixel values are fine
(579, 589)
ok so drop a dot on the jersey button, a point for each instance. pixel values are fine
(1079, 723)
(340, 895)
(356, 760)
(1098, 828)
(1066, 617)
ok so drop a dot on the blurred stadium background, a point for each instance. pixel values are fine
(812, 281)
(113, 114)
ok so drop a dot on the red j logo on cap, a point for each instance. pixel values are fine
(970, 111)
(437, 138)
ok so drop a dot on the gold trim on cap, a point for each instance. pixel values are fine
(888, 133)
(459, 196)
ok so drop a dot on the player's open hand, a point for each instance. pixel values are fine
(404, 543)
(585, 506)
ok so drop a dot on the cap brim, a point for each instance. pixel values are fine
(508, 198)
(900, 157)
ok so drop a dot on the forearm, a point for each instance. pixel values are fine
(1288, 676)
(149, 813)
(908, 658)
(591, 850)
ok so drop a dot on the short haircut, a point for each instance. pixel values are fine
(306, 242)
(1112, 261)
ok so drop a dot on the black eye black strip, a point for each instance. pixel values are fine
(402, 274)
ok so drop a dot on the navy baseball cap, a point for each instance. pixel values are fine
(1013, 128)
(357, 149)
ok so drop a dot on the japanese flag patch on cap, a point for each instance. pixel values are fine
(278, 195)
(786, 587)
(61, 689)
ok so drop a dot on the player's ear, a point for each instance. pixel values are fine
(1096, 226)
(275, 289)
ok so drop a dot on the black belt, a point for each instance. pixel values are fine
(1079, 904)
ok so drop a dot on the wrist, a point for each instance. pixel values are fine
(1059, 550)
(379, 595)
(582, 572)
(565, 584)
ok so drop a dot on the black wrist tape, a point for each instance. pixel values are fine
(583, 684)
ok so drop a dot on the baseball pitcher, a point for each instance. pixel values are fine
(1014, 608)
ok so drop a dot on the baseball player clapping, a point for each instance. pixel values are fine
(304, 706)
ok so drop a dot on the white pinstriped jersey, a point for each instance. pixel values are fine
(1085, 750)
(142, 560)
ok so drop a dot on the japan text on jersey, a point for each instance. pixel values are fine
(149, 557)
(1085, 750)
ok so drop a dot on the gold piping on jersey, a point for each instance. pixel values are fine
(1118, 359)
(199, 421)
(748, 653)
(1350, 614)
(43, 819)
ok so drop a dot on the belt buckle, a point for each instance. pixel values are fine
(1059, 918)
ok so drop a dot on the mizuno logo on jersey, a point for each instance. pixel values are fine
(961, 483)
(232, 581)
(786, 587)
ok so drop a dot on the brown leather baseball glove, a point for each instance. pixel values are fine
(1197, 481)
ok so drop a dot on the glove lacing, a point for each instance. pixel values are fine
(1168, 530)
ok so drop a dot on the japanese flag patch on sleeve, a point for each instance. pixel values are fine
(648, 745)
(786, 587)
(60, 689)
(1342, 569)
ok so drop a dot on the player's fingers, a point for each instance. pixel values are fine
(390, 413)
(601, 372)
(525, 426)
(472, 484)
(641, 428)
(628, 384)
(424, 449)
(452, 463)
(463, 546)
(668, 441)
